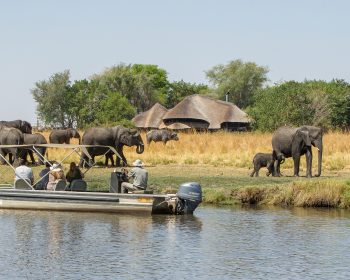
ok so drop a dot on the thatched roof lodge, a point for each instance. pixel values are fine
(194, 112)
(202, 112)
(151, 119)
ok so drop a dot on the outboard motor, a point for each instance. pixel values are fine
(189, 196)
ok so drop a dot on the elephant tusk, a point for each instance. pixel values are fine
(317, 149)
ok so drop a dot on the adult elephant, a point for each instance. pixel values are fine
(116, 137)
(63, 136)
(10, 136)
(295, 142)
(23, 126)
(36, 138)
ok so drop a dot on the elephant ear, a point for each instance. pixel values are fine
(134, 132)
(305, 136)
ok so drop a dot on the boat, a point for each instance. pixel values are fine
(185, 201)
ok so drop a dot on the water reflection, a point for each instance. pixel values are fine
(223, 243)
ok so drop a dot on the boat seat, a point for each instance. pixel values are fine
(60, 185)
(22, 184)
(143, 192)
(78, 185)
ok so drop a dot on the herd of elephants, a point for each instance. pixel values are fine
(286, 142)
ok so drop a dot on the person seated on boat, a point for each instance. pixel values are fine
(139, 176)
(44, 177)
(56, 173)
(24, 172)
(74, 173)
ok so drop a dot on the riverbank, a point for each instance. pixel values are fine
(229, 186)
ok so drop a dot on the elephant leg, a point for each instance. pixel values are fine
(112, 159)
(32, 157)
(252, 174)
(270, 169)
(277, 168)
(12, 157)
(256, 169)
(92, 160)
(117, 162)
(308, 163)
(123, 159)
(296, 159)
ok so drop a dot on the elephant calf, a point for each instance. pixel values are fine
(163, 135)
(263, 160)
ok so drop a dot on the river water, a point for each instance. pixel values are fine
(215, 243)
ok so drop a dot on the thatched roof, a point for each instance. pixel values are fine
(203, 108)
(151, 118)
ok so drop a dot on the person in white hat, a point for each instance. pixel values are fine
(139, 176)
(56, 173)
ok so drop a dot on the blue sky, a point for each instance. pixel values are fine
(297, 40)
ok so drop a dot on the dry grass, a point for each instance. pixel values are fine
(229, 149)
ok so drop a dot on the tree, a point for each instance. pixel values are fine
(143, 85)
(114, 109)
(318, 103)
(179, 90)
(285, 104)
(241, 79)
(53, 99)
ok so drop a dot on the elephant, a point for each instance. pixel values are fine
(10, 136)
(36, 138)
(63, 136)
(295, 142)
(163, 135)
(23, 126)
(263, 160)
(116, 137)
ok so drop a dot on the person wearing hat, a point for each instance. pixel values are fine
(139, 176)
(56, 173)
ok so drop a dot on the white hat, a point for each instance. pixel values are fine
(55, 168)
(137, 163)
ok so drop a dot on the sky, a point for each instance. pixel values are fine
(295, 39)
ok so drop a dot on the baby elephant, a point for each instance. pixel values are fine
(263, 160)
(163, 135)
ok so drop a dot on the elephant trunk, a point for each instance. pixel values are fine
(319, 163)
(319, 147)
(140, 148)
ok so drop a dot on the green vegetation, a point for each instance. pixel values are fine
(318, 103)
(241, 79)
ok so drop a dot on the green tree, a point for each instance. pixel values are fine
(285, 104)
(53, 99)
(241, 79)
(338, 92)
(114, 109)
(143, 85)
(319, 103)
(180, 89)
